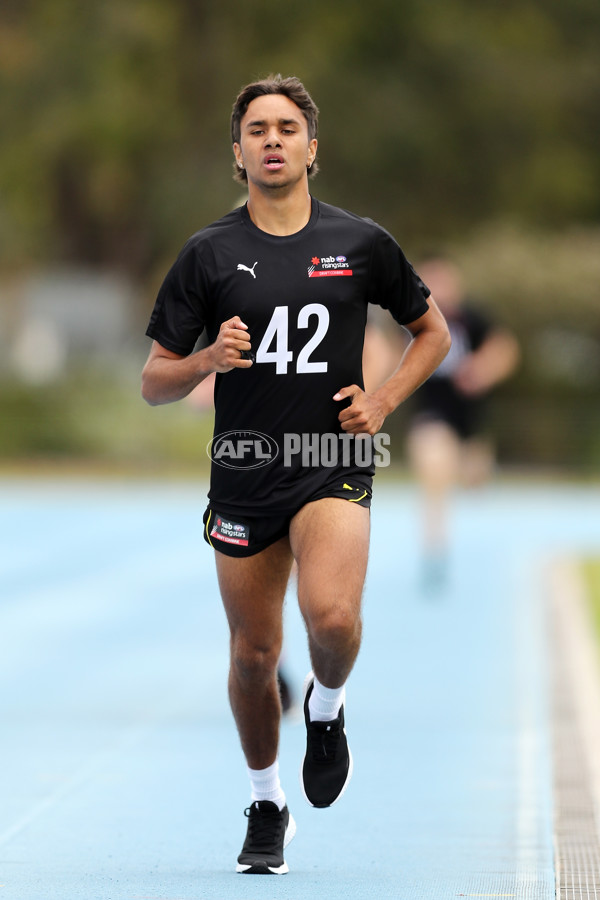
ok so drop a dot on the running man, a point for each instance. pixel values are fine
(447, 445)
(282, 287)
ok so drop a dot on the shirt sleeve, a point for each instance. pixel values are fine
(393, 283)
(180, 312)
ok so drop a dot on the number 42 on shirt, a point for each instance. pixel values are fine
(277, 333)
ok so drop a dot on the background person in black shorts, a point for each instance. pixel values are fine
(282, 287)
(446, 444)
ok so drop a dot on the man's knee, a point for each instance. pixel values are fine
(334, 628)
(254, 663)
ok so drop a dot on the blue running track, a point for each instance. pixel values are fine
(122, 777)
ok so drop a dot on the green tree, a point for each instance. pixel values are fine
(437, 116)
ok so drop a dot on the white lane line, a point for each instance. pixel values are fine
(577, 630)
(534, 780)
(577, 737)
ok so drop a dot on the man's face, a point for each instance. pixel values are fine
(274, 147)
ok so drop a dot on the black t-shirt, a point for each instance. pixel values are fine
(304, 298)
(440, 398)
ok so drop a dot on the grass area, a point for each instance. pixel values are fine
(591, 572)
(97, 418)
(94, 419)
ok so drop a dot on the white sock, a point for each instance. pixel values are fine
(324, 703)
(265, 785)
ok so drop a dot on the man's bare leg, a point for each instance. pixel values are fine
(253, 590)
(435, 454)
(330, 542)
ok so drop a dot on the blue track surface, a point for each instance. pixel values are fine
(122, 777)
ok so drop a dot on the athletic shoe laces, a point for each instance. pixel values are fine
(264, 828)
(324, 740)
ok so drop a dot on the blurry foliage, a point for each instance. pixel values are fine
(545, 288)
(536, 278)
(469, 126)
(591, 575)
(436, 116)
(91, 416)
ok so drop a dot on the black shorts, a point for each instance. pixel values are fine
(465, 422)
(241, 535)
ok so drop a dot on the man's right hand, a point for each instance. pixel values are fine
(227, 351)
(169, 376)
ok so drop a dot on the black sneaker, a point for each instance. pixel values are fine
(327, 766)
(269, 831)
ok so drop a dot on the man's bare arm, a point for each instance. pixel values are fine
(168, 376)
(430, 344)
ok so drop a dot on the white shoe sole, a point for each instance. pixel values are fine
(283, 869)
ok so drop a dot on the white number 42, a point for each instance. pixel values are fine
(277, 333)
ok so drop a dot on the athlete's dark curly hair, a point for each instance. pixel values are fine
(290, 87)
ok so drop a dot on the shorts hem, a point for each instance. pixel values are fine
(277, 520)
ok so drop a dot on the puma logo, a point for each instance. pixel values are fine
(243, 268)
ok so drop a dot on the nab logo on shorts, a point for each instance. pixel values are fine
(230, 532)
(242, 450)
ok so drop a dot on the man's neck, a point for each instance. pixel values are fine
(279, 214)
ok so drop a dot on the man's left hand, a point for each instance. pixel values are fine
(364, 415)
